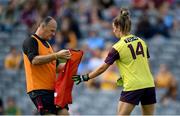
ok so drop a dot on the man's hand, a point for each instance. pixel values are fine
(80, 78)
(64, 54)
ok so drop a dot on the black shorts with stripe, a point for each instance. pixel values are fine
(44, 102)
(146, 96)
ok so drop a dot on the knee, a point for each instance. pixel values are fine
(123, 112)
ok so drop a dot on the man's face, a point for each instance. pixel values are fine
(50, 30)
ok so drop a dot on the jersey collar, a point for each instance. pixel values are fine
(127, 36)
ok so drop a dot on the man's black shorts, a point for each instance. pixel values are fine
(44, 101)
(146, 96)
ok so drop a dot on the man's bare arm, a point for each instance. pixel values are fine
(43, 59)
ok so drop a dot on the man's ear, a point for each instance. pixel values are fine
(43, 25)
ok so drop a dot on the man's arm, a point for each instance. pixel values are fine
(42, 59)
(30, 48)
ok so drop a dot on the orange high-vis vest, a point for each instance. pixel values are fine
(42, 76)
(64, 83)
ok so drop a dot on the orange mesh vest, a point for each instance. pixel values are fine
(40, 76)
(64, 83)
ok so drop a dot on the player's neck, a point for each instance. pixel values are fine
(39, 33)
(125, 34)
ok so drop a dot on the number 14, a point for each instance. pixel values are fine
(139, 50)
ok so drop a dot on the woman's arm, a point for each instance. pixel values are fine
(98, 71)
(79, 78)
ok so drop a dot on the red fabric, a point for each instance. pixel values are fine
(64, 83)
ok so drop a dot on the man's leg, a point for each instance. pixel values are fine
(44, 101)
(63, 111)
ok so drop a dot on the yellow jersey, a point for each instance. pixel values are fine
(133, 63)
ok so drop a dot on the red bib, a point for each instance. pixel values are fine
(64, 83)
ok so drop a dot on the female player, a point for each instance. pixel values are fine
(131, 56)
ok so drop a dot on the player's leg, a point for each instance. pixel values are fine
(44, 101)
(37, 100)
(148, 101)
(125, 108)
(148, 109)
(128, 100)
(62, 111)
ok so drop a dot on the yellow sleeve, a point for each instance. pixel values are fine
(118, 46)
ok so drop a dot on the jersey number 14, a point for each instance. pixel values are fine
(139, 50)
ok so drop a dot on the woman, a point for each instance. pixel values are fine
(131, 55)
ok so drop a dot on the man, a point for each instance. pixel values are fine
(40, 67)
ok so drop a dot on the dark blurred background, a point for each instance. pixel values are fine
(86, 25)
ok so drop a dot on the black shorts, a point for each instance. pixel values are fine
(146, 96)
(44, 101)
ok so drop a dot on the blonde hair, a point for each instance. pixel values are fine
(123, 21)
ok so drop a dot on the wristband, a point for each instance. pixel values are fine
(85, 77)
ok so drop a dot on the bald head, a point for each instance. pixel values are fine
(47, 28)
(47, 20)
